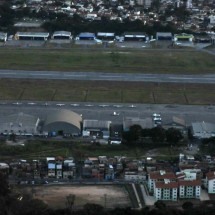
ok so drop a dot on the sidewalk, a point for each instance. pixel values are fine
(149, 200)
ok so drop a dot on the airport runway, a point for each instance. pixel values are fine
(103, 76)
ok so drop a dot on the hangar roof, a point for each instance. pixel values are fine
(62, 33)
(64, 115)
(32, 34)
(19, 122)
(203, 129)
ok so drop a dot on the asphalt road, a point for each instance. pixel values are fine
(207, 79)
(105, 111)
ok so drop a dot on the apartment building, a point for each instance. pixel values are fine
(189, 189)
(166, 190)
(159, 176)
(210, 182)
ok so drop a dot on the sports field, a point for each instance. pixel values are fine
(109, 196)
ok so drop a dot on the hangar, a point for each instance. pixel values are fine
(97, 128)
(202, 130)
(164, 36)
(183, 37)
(64, 122)
(106, 36)
(31, 36)
(19, 124)
(86, 36)
(62, 35)
(3, 37)
(135, 36)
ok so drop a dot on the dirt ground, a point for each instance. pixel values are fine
(108, 196)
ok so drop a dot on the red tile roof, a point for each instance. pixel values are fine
(169, 185)
(157, 175)
(190, 183)
(210, 175)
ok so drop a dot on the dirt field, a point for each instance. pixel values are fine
(108, 196)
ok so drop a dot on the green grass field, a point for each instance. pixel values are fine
(108, 60)
(104, 91)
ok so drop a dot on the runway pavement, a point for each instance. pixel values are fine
(101, 111)
(102, 76)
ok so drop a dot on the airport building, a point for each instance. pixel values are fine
(62, 122)
(31, 36)
(135, 36)
(167, 36)
(3, 37)
(96, 128)
(20, 124)
(62, 35)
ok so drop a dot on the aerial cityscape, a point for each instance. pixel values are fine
(107, 107)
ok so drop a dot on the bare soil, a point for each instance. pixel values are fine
(108, 196)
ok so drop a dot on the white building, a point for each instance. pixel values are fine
(210, 182)
(189, 189)
(166, 190)
(203, 129)
(160, 176)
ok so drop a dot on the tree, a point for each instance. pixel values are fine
(160, 204)
(173, 135)
(158, 134)
(187, 206)
(133, 134)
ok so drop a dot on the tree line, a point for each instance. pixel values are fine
(137, 135)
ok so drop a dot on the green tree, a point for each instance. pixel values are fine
(158, 134)
(173, 135)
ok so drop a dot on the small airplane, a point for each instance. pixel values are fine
(75, 105)
(46, 104)
(118, 106)
(89, 105)
(98, 41)
(31, 103)
(17, 103)
(103, 105)
(178, 43)
(115, 113)
(60, 105)
(132, 106)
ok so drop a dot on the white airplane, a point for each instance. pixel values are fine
(98, 41)
(132, 106)
(118, 106)
(17, 103)
(60, 105)
(152, 40)
(46, 104)
(75, 105)
(156, 115)
(31, 103)
(103, 105)
(115, 113)
(143, 46)
(178, 43)
(89, 105)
